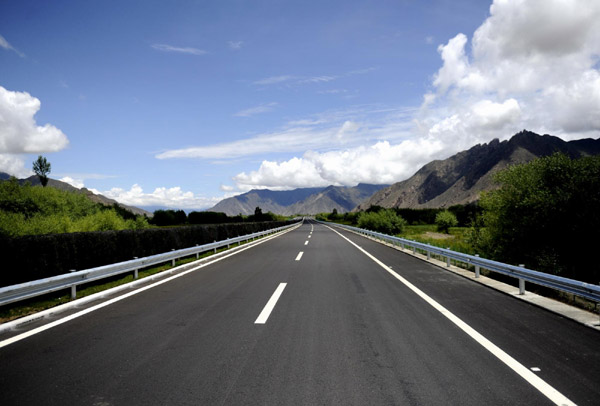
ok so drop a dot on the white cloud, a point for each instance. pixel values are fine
(14, 165)
(379, 163)
(182, 50)
(4, 44)
(273, 80)
(172, 197)
(535, 63)
(20, 134)
(263, 108)
(235, 45)
(78, 183)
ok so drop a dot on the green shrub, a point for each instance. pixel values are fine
(444, 220)
(384, 221)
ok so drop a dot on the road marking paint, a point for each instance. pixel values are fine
(58, 322)
(534, 380)
(299, 255)
(266, 312)
(306, 242)
(310, 235)
(535, 369)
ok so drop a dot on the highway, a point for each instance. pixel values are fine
(312, 317)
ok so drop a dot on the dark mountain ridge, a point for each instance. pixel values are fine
(461, 178)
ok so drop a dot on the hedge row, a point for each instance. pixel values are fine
(41, 256)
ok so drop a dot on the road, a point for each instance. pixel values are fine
(343, 331)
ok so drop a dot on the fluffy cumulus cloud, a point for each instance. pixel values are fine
(20, 134)
(379, 163)
(167, 197)
(533, 64)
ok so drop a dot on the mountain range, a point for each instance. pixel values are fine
(461, 178)
(298, 201)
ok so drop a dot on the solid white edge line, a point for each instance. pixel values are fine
(58, 322)
(534, 380)
(266, 312)
(299, 255)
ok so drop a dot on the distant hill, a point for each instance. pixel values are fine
(461, 178)
(297, 201)
(97, 198)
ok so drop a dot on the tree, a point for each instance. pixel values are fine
(444, 220)
(542, 216)
(42, 168)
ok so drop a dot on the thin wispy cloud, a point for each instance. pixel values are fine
(273, 80)
(302, 80)
(6, 45)
(323, 132)
(181, 50)
(235, 45)
(263, 108)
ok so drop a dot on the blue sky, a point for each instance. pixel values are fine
(182, 103)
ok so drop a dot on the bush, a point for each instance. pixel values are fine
(33, 210)
(444, 220)
(542, 216)
(384, 221)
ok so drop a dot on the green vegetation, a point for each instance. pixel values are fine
(542, 216)
(42, 168)
(164, 218)
(444, 220)
(385, 221)
(32, 210)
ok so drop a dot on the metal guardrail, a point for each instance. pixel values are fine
(22, 291)
(582, 289)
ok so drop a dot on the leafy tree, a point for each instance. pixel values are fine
(42, 168)
(542, 216)
(444, 220)
(169, 217)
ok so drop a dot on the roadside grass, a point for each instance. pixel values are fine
(456, 240)
(37, 304)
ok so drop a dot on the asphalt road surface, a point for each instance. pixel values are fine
(331, 326)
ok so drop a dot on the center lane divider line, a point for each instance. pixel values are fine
(299, 255)
(538, 383)
(306, 242)
(266, 312)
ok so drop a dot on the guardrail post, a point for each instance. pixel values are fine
(414, 249)
(215, 249)
(135, 271)
(448, 259)
(173, 260)
(197, 253)
(428, 254)
(477, 268)
(521, 283)
(73, 288)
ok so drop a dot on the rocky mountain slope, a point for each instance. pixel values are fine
(461, 178)
(298, 201)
